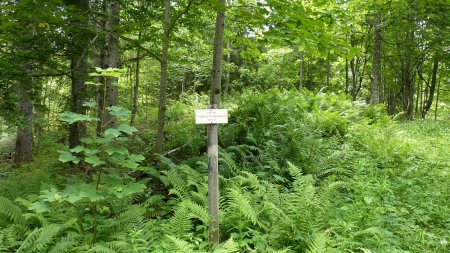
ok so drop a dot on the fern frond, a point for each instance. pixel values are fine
(319, 244)
(230, 246)
(179, 246)
(39, 239)
(65, 244)
(294, 171)
(100, 248)
(240, 203)
(11, 211)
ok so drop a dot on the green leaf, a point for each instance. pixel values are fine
(51, 195)
(65, 157)
(78, 192)
(118, 111)
(87, 140)
(94, 160)
(112, 132)
(71, 117)
(132, 162)
(118, 150)
(127, 129)
(90, 104)
(92, 83)
(136, 158)
(77, 149)
(368, 200)
(39, 207)
(121, 191)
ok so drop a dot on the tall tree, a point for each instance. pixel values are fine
(376, 63)
(214, 100)
(168, 25)
(79, 42)
(109, 59)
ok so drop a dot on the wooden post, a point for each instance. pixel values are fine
(213, 181)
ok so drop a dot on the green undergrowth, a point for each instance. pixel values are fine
(298, 173)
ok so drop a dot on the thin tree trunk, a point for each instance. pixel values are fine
(163, 80)
(429, 101)
(300, 79)
(136, 85)
(24, 139)
(213, 178)
(346, 76)
(328, 69)
(419, 95)
(78, 64)
(110, 60)
(437, 98)
(376, 66)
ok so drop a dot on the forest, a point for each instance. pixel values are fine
(336, 135)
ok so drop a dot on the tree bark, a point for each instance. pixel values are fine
(163, 80)
(430, 98)
(300, 79)
(110, 59)
(376, 65)
(328, 69)
(136, 84)
(78, 63)
(24, 139)
(213, 173)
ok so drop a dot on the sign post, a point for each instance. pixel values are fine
(211, 118)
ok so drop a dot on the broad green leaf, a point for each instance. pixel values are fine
(136, 158)
(77, 149)
(118, 150)
(94, 160)
(127, 129)
(87, 140)
(118, 111)
(51, 195)
(90, 152)
(65, 157)
(39, 207)
(90, 104)
(121, 191)
(71, 117)
(112, 132)
(92, 83)
(79, 192)
(132, 162)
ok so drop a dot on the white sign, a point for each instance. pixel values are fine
(211, 116)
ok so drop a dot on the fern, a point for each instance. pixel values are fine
(101, 248)
(319, 244)
(179, 246)
(65, 244)
(230, 246)
(10, 211)
(39, 239)
(240, 203)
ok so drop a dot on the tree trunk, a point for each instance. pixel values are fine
(78, 63)
(429, 100)
(437, 98)
(24, 139)
(136, 85)
(110, 59)
(213, 177)
(346, 76)
(163, 80)
(328, 69)
(376, 65)
(300, 79)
